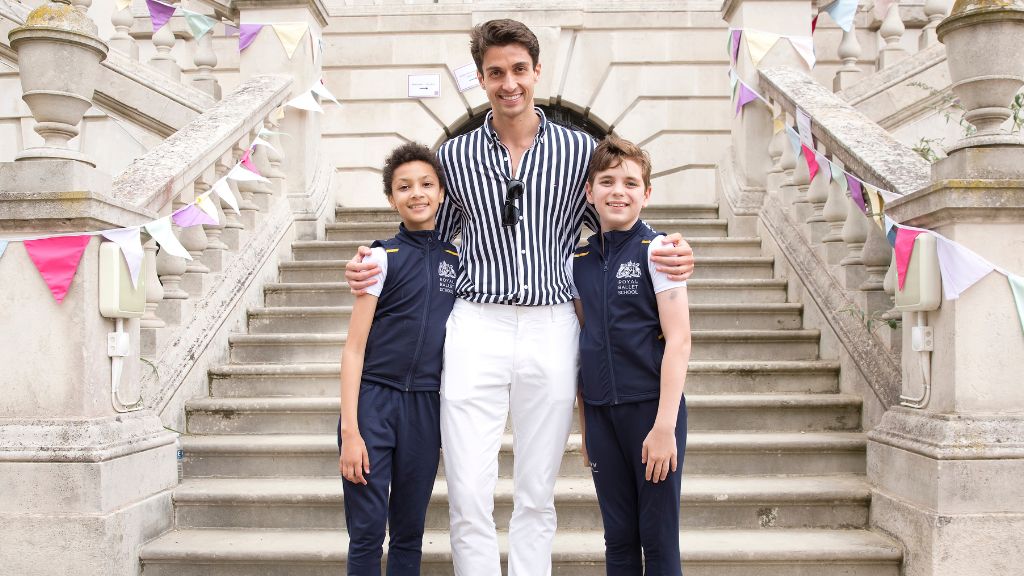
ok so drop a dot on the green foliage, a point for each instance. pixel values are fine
(873, 321)
(948, 104)
(925, 150)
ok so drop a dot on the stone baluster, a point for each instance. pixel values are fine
(891, 31)
(855, 233)
(245, 191)
(213, 257)
(775, 177)
(205, 59)
(802, 208)
(163, 60)
(787, 185)
(876, 256)
(274, 158)
(194, 239)
(834, 212)
(849, 52)
(150, 323)
(82, 5)
(935, 12)
(171, 270)
(817, 196)
(120, 39)
(262, 191)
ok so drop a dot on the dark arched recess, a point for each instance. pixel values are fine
(556, 114)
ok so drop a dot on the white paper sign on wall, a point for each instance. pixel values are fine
(465, 77)
(424, 85)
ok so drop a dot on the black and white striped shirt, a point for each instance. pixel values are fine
(522, 264)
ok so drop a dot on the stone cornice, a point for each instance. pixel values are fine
(316, 7)
(863, 147)
(880, 368)
(91, 440)
(952, 436)
(151, 181)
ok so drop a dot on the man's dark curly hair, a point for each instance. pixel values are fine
(410, 152)
(502, 33)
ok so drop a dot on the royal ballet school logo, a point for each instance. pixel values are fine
(446, 270)
(628, 270)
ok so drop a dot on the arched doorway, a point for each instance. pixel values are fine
(556, 114)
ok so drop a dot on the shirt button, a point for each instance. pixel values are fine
(522, 251)
(526, 287)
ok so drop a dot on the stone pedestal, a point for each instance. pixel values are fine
(947, 477)
(83, 485)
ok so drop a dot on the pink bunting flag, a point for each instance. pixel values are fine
(904, 248)
(57, 260)
(812, 160)
(746, 95)
(247, 162)
(159, 13)
(814, 24)
(856, 192)
(736, 35)
(192, 215)
(246, 34)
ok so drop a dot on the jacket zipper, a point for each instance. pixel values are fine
(423, 319)
(607, 334)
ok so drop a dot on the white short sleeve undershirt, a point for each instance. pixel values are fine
(660, 280)
(379, 256)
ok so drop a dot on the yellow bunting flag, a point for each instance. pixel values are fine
(290, 33)
(122, 4)
(277, 114)
(759, 43)
(877, 205)
(778, 126)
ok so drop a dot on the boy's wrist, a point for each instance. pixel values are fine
(349, 432)
(661, 425)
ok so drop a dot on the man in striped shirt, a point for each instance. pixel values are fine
(515, 192)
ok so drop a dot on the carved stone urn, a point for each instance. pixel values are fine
(983, 40)
(59, 57)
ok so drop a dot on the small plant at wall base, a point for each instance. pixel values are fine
(1018, 112)
(925, 150)
(873, 321)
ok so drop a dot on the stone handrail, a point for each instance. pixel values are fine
(151, 181)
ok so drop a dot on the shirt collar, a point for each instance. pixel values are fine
(492, 134)
(416, 237)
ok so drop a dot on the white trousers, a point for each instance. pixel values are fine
(500, 358)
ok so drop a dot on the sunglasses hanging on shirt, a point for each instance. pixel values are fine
(510, 209)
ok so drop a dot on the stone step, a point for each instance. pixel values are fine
(343, 214)
(726, 453)
(703, 247)
(719, 291)
(334, 319)
(689, 227)
(707, 345)
(721, 412)
(707, 502)
(707, 268)
(782, 552)
(703, 377)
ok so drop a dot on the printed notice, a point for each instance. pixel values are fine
(424, 85)
(465, 77)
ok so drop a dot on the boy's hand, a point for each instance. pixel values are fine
(583, 451)
(354, 460)
(675, 260)
(360, 275)
(659, 453)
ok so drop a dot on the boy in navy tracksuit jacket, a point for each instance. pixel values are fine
(389, 432)
(634, 348)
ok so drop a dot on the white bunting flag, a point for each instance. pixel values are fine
(206, 205)
(804, 46)
(241, 174)
(803, 125)
(3, 246)
(130, 242)
(305, 101)
(320, 89)
(161, 231)
(960, 267)
(222, 189)
(261, 142)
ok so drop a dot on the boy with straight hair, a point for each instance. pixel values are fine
(389, 433)
(634, 350)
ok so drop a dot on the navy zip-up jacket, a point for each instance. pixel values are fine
(406, 342)
(621, 344)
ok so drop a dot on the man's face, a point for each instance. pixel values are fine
(509, 77)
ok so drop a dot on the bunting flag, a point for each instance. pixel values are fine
(842, 11)
(159, 13)
(877, 205)
(794, 141)
(198, 23)
(734, 44)
(209, 208)
(57, 260)
(839, 177)
(811, 159)
(960, 268)
(904, 248)
(803, 125)
(230, 29)
(746, 95)
(320, 89)
(823, 161)
(160, 230)
(246, 34)
(856, 192)
(191, 215)
(277, 114)
(814, 24)
(241, 174)
(290, 34)
(222, 189)
(305, 101)
(890, 231)
(130, 242)
(804, 46)
(257, 141)
(266, 132)
(759, 43)
(1017, 287)
(3, 247)
(122, 4)
(247, 162)
(888, 196)
(778, 126)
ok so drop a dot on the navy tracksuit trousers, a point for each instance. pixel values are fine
(403, 439)
(639, 515)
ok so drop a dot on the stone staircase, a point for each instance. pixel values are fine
(774, 466)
